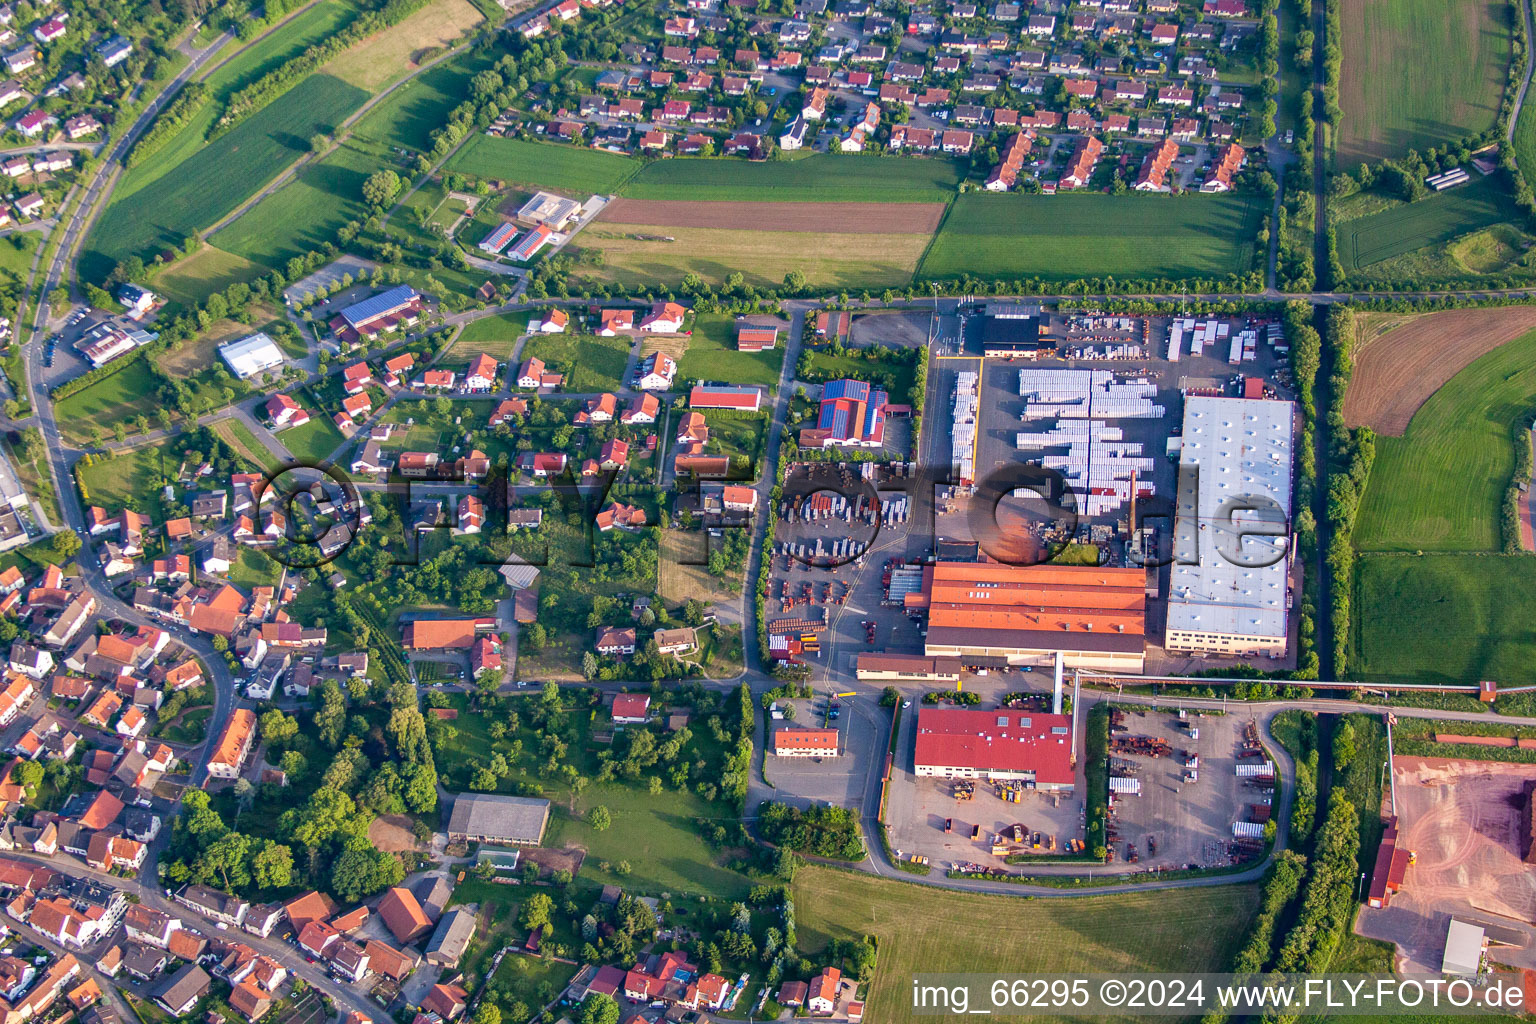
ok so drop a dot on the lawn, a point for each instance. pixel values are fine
(1446, 618)
(654, 833)
(191, 280)
(821, 177)
(572, 170)
(314, 442)
(135, 476)
(1419, 73)
(377, 61)
(410, 113)
(1439, 486)
(254, 568)
(712, 355)
(1066, 237)
(496, 336)
(121, 396)
(219, 176)
(928, 930)
(307, 212)
(640, 256)
(589, 363)
(1389, 244)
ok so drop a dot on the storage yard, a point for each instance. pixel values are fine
(1463, 827)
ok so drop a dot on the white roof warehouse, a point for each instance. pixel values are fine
(1234, 479)
(251, 355)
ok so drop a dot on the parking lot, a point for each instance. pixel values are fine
(863, 730)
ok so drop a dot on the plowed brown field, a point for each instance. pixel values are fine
(835, 218)
(1397, 369)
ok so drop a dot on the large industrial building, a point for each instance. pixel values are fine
(1229, 593)
(253, 354)
(1025, 614)
(1004, 744)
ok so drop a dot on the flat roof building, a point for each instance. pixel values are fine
(547, 208)
(1234, 476)
(1004, 744)
(251, 355)
(1094, 616)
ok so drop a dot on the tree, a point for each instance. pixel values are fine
(28, 774)
(272, 866)
(66, 543)
(487, 1013)
(381, 187)
(536, 911)
(278, 728)
(1343, 746)
(599, 1009)
(599, 818)
(363, 871)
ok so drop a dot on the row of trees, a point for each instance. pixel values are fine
(1350, 453)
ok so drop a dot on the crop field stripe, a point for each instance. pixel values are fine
(818, 178)
(843, 218)
(1067, 237)
(408, 115)
(1438, 218)
(552, 165)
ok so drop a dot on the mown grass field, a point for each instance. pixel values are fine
(313, 442)
(409, 114)
(1438, 487)
(191, 280)
(830, 261)
(1372, 245)
(307, 212)
(136, 476)
(571, 170)
(1065, 237)
(1446, 618)
(926, 930)
(375, 62)
(221, 175)
(712, 355)
(1419, 73)
(820, 177)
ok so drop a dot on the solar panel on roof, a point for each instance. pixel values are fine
(381, 303)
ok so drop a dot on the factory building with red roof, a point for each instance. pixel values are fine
(1007, 743)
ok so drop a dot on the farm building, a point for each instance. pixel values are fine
(1229, 585)
(490, 818)
(443, 634)
(752, 337)
(1003, 744)
(718, 396)
(498, 239)
(1025, 614)
(251, 355)
(531, 243)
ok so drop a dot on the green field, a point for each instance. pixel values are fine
(589, 363)
(314, 441)
(496, 336)
(921, 929)
(1066, 237)
(123, 395)
(191, 280)
(1439, 486)
(306, 213)
(1446, 618)
(219, 176)
(136, 476)
(820, 177)
(712, 355)
(1365, 243)
(410, 113)
(1419, 73)
(241, 69)
(570, 169)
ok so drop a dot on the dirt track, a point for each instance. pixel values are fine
(835, 218)
(1397, 371)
